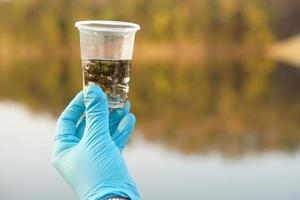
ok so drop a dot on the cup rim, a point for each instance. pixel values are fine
(108, 26)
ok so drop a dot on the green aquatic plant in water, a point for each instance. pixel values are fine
(111, 75)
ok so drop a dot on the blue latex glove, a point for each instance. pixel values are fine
(87, 152)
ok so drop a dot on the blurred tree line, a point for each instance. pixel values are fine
(49, 25)
(38, 28)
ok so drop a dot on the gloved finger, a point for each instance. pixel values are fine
(80, 127)
(124, 131)
(116, 115)
(97, 115)
(66, 124)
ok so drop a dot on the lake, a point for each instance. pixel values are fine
(215, 87)
(225, 130)
(160, 172)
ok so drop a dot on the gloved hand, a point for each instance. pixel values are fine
(87, 152)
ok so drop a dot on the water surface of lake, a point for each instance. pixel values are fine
(160, 172)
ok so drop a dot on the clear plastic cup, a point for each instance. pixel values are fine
(106, 54)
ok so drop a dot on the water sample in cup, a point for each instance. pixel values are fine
(106, 53)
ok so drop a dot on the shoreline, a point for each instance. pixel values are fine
(144, 52)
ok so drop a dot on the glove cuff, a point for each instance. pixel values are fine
(107, 193)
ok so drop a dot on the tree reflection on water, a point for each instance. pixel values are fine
(232, 106)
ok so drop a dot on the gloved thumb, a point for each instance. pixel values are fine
(66, 125)
(124, 131)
